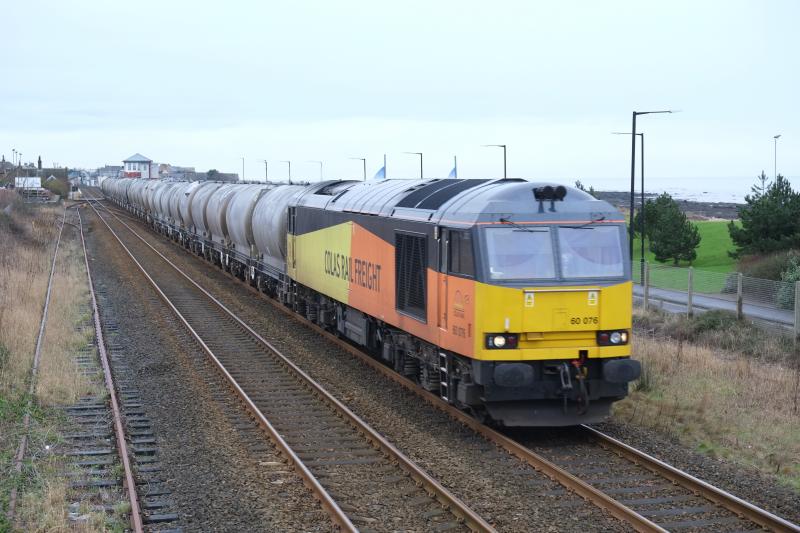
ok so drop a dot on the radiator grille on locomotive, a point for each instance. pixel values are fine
(411, 260)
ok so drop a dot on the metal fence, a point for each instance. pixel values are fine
(772, 304)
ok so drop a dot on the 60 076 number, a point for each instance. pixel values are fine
(576, 320)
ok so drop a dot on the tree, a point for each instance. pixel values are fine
(582, 187)
(212, 174)
(672, 236)
(761, 186)
(653, 209)
(770, 222)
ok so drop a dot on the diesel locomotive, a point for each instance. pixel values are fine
(508, 298)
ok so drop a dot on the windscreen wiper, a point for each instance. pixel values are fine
(521, 228)
(586, 226)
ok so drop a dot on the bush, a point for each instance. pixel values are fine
(717, 329)
(770, 266)
(57, 186)
(791, 275)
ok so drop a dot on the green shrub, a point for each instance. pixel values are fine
(786, 292)
(57, 186)
(770, 266)
(715, 320)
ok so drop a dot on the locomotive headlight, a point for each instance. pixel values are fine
(613, 338)
(502, 341)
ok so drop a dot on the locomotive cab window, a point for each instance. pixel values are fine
(459, 255)
(591, 252)
(519, 254)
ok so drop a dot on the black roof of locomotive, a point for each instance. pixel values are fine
(456, 202)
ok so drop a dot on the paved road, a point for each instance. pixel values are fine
(675, 302)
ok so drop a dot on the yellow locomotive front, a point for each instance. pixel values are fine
(547, 309)
(552, 313)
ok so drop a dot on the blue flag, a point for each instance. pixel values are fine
(381, 174)
(453, 173)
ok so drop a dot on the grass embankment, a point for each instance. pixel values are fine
(712, 254)
(721, 386)
(28, 235)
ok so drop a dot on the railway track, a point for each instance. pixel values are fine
(629, 484)
(91, 461)
(360, 479)
(120, 434)
(26, 419)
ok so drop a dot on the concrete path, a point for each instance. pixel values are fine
(675, 302)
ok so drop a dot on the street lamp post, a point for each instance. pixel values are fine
(633, 170)
(505, 168)
(776, 137)
(290, 170)
(364, 161)
(243, 169)
(266, 170)
(641, 192)
(420, 161)
(320, 168)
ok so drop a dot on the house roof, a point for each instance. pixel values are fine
(138, 158)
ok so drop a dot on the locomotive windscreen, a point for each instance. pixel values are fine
(520, 253)
(590, 252)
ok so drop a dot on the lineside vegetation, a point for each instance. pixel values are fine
(28, 235)
(719, 385)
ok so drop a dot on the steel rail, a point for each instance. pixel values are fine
(527, 456)
(733, 503)
(119, 431)
(443, 495)
(326, 501)
(26, 420)
(536, 461)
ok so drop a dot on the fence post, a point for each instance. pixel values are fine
(739, 313)
(646, 284)
(796, 310)
(689, 310)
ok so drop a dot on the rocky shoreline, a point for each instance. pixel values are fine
(694, 210)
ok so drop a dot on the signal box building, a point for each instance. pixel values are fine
(138, 166)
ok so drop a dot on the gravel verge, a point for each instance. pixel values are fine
(740, 480)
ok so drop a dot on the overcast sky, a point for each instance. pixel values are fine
(203, 84)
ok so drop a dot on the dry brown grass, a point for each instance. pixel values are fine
(60, 381)
(45, 509)
(27, 239)
(722, 403)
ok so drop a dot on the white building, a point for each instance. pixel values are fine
(138, 166)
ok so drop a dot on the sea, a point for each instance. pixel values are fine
(714, 189)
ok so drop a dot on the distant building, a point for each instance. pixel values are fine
(28, 183)
(139, 166)
(110, 171)
(165, 170)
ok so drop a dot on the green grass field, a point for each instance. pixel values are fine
(712, 254)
